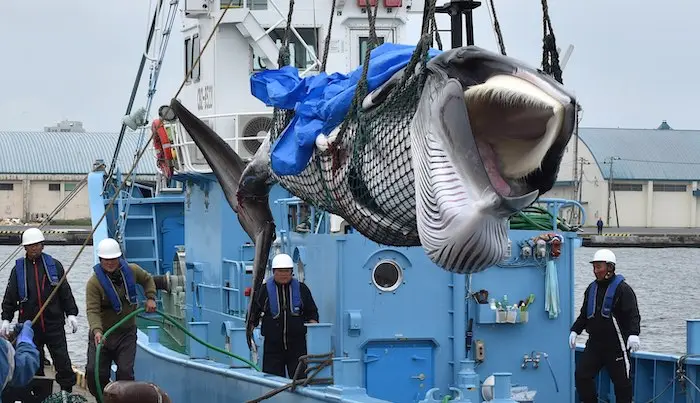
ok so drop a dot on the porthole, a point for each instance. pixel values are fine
(387, 276)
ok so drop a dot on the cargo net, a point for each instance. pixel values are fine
(366, 176)
(64, 397)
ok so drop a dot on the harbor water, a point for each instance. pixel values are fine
(657, 275)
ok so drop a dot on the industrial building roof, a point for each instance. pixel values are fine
(645, 154)
(69, 152)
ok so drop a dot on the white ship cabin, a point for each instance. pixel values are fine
(248, 40)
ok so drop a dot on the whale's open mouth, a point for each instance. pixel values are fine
(514, 124)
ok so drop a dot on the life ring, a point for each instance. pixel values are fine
(165, 154)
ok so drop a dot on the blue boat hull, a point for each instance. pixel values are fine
(399, 344)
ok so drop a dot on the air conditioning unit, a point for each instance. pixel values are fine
(250, 127)
(198, 8)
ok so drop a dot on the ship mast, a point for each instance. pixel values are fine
(457, 8)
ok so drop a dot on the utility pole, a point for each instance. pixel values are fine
(455, 9)
(610, 187)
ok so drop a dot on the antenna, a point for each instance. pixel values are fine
(566, 57)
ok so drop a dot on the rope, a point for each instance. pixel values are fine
(321, 360)
(48, 219)
(436, 32)
(134, 91)
(211, 35)
(538, 218)
(174, 322)
(327, 42)
(283, 57)
(550, 55)
(497, 29)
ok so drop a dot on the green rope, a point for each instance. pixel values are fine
(174, 322)
(538, 218)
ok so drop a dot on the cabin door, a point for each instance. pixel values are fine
(399, 371)
(358, 43)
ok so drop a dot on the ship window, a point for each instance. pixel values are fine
(195, 52)
(188, 56)
(54, 187)
(387, 276)
(300, 57)
(364, 40)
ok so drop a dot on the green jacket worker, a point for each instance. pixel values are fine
(110, 296)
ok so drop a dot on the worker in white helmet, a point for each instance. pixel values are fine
(110, 295)
(610, 316)
(32, 280)
(285, 304)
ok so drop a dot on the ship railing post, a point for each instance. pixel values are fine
(501, 387)
(692, 347)
(235, 342)
(318, 341)
(153, 334)
(199, 329)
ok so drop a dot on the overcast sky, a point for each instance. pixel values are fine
(635, 63)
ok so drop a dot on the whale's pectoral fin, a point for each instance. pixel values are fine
(246, 188)
(263, 243)
(224, 162)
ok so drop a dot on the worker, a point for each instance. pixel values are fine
(110, 295)
(285, 304)
(32, 279)
(610, 316)
(19, 364)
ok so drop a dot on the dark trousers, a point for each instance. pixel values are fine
(600, 230)
(615, 360)
(55, 341)
(119, 348)
(276, 359)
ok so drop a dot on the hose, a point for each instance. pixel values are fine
(537, 218)
(174, 322)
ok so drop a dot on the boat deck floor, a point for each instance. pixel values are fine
(79, 389)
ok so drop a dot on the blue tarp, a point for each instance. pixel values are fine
(321, 102)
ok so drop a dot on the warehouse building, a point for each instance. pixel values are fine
(634, 177)
(39, 169)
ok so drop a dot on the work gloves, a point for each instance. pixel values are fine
(73, 322)
(633, 343)
(5, 328)
(25, 333)
(572, 340)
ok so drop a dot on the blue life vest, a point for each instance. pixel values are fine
(607, 301)
(295, 290)
(129, 284)
(21, 273)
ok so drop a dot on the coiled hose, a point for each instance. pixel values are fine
(175, 323)
(538, 218)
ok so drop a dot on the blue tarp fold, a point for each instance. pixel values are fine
(321, 102)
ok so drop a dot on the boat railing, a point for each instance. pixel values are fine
(232, 288)
(189, 158)
(660, 377)
(298, 216)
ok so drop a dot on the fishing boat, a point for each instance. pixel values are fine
(394, 327)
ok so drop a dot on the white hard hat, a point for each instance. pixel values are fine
(32, 236)
(108, 248)
(282, 261)
(604, 255)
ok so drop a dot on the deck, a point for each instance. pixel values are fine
(80, 387)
